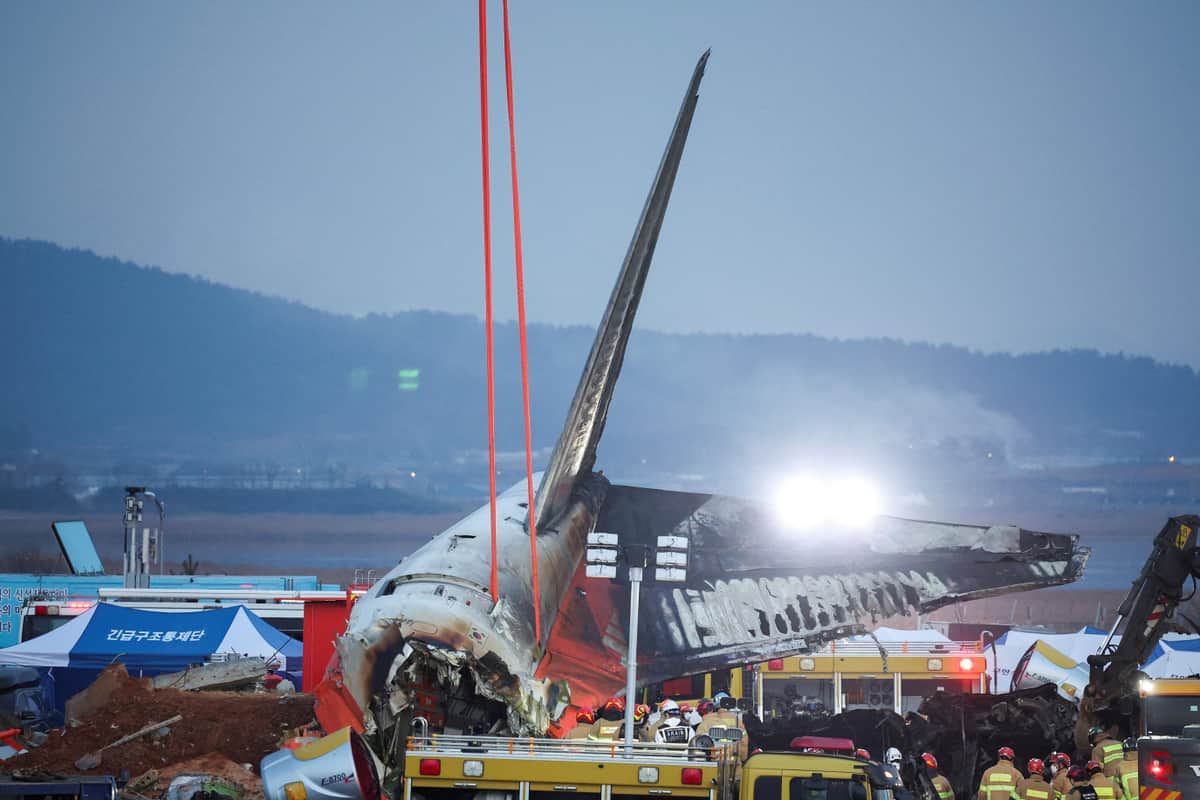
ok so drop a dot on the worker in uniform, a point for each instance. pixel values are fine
(1106, 788)
(1061, 782)
(584, 718)
(1106, 749)
(1080, 788)
(609, 727)
(1127, 772)
(641, 712)
(1000, 781)
(1035, 787)
(672, 729)
(664, 708)
(940, 785)
(717, 718)
(726, 715)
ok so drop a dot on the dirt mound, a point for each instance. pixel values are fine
(240, 727)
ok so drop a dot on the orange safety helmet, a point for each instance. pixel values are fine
(1006, 753)
(863, 752)
(1035, 765)
(1062, 759)
(615, 703)
(1094, 766)
(640, 712)
(929, 760)
(585, 715)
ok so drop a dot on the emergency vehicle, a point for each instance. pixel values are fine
(1169, 738)
(441, 767)
(842, 676)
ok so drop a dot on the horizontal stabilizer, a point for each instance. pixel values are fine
(757, 590)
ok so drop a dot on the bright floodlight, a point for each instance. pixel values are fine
(854, 502)
(801, 503)
(804, 503)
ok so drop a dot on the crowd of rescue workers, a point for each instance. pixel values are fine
(1110, 774)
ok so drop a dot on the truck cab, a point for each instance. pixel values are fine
(815, 776)
(1169, 741)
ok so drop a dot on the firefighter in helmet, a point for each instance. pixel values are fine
(1081, 787)
(641, 712)
(1061, 782)
(584, 718)
(608, 727)
(1000, 781)
(665, 708)
(1035, 787)
(1106, 749)
(940, 785)
(1127, 772)
(1105, 788)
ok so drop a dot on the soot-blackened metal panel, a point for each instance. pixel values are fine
(757, 590)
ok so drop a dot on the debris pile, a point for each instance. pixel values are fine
(225, 729)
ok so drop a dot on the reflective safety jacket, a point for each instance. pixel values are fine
(1127, 776)
(942, 786)
(1034, 788)
(1109, 752)
(729, 719)
(1061, 784)
(679, 733)
(1081, 791)
(1106, 789)
(580, 731)
(999, 782)
(607, 730)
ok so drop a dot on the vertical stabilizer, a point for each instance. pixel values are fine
(575, 452)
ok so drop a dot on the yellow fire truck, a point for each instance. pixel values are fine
(441, 767)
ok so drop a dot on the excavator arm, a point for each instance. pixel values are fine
(1111, 694)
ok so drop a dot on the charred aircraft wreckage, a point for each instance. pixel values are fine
(754, 589)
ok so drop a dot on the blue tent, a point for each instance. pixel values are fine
(149, 643)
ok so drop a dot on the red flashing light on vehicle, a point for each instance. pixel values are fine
(966, 664)
(1161, 767)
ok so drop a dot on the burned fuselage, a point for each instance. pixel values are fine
(755, 589)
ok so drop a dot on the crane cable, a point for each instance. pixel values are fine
(512, 156)
(487, 283)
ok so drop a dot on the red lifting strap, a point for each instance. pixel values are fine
(487, 280)
(516, 199)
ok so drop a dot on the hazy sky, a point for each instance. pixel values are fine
(1012, 176)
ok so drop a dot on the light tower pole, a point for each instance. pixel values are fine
(604, 552)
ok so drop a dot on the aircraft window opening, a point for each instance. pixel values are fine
(768, 787)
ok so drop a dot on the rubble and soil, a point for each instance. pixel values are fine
(239, 728)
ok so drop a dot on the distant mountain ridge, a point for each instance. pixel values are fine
(104, 354)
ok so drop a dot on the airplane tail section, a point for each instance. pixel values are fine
(575, 453)
(756, 590)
